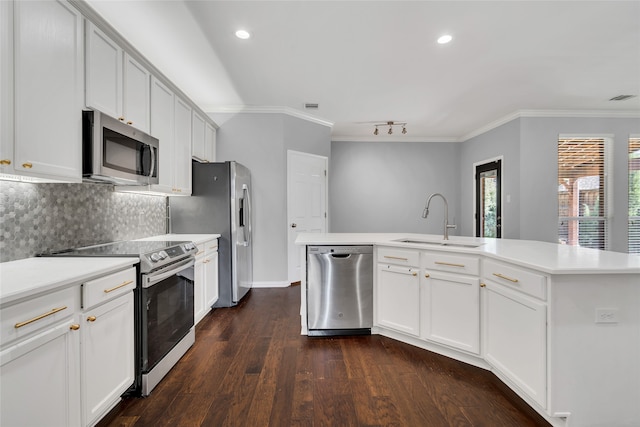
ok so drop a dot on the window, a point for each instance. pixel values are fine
(582, 198)
(634, 195)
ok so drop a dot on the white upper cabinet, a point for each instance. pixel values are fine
(103, 64)
(198, 138)
(117, 84)
(182, 148)
(6, 87)
(210, 142)
(136, 94)
(162, 127)
(48, 83)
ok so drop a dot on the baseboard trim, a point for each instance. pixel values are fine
(274, 284)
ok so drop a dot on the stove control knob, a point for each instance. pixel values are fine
(155, 257)
(163, 255)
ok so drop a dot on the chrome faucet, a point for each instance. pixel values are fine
(447, 226)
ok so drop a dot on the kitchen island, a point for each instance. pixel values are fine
(559, 325)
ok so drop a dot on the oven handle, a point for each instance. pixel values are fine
(149, 280)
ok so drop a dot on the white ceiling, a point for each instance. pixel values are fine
(367, 62)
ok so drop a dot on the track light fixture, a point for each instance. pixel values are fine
(391, 124)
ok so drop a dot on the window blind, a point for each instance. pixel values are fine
(582, 202)
(634, 195)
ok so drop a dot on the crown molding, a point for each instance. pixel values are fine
(627, 114)
(240, 109)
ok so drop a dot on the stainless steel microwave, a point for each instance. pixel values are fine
(117, 153)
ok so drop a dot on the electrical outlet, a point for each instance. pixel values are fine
(606, 315)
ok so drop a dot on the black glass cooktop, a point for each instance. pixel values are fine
(123, 248)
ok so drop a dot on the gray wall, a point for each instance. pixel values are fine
(383, 186)
(260, 142)
(538, 173)
(37, 218)
(502, 141)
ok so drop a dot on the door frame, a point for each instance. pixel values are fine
(290, 275)
(474, 223)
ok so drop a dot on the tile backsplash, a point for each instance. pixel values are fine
(36, 218)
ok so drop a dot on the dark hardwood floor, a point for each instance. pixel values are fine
(251, 367)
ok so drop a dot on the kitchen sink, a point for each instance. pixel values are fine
(440, 243)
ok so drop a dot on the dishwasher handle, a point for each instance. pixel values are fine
(340, 255)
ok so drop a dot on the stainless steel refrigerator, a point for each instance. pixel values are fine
(221, 204)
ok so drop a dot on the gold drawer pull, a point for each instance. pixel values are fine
(213, 247)
(129, 122)
(91, 319)
(128, 282)
(505, 277)
(27, 165)
(42, 316)
(5, 162)
(121, 118)
(426, 276)
(450, 264)
(482, 285)
(414, 274)
(206, 261)
(74, 327)
(396, 257)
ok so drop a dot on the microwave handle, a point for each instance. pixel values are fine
(153, 161)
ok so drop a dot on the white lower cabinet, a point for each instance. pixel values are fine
(107, 345)
(211, 292)
(450, 310)
(515, 339)
(198, 288)
(40, 379)
(398, 298)
(61, 365)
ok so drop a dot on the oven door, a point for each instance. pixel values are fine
(167, 310)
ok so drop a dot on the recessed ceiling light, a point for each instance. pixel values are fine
(445, 39)
(242, 34)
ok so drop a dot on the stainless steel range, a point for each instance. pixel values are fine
(163, 303)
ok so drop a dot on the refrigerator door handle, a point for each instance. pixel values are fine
(246, 215)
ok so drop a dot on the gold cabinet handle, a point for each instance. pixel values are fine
(27, 165)
(396, 257)
(129, 122)
(121, 118)
(414, 274)
(502, 276)
(128, 282)
(206, 261)
(450, 264)
(213, 247)
(482, 285)
(426, 276)
(74, 327)
(91, 319)
(42, 316)
(5, 162)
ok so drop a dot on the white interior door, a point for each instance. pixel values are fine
(306, 202)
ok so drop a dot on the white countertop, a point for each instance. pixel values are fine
(195, 238)
(546, 257)
(26, 277)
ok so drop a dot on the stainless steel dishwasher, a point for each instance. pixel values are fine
(339, 290)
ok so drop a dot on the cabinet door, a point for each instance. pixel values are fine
(211, 278)
(41, 380)
(49, 90)
(450, 310)
(210, 143)
(6, 87)
(107, 355)
(182, 148)
(198, 137)
(162, 127)
(198, 291)
(398, 298)
(103, 59)
(515, 339)
(136, 94)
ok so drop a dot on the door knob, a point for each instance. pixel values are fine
(294, 225)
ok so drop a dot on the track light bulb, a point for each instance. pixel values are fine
(390, 130)
(375, 132)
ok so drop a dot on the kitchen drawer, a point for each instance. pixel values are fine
(398, 256)
(210, 246)
(453, 263)
(21, 319)
(108, 287)
(526, 281)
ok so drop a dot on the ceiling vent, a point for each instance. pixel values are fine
(311, 106)
(622, 97)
